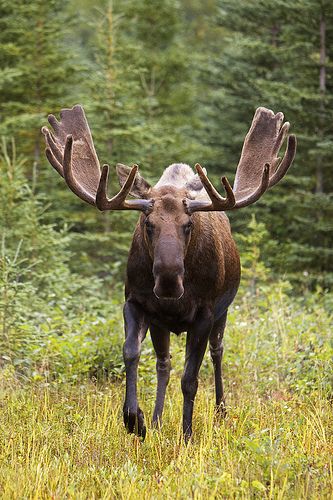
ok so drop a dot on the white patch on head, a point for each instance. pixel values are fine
(180, 175)
(176, 174)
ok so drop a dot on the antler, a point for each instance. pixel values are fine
(70, 150)
(259, 167)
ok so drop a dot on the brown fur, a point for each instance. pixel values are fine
(211, 261)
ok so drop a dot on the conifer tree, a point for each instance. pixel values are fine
(167, 72)
(38, 70)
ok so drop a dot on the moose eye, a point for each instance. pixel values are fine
(188, 227)
(149, 228)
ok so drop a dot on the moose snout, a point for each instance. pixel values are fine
(168, 281)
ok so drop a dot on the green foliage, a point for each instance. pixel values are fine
(89, 347)
(253, 267)
(287, 340)
(37, 70)
(45, 308)
(114, 90)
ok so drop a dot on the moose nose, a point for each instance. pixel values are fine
(168, 288)
(168, 280)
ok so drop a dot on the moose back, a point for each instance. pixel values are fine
(183, 267)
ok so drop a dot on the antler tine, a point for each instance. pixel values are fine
(72, 183)
(217, 202)
(280, 138)
(53, 153)
(52, 143)
(286, 162)
(54, 162)
(119, 202)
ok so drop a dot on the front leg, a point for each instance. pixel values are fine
(161, 341)
(196, 343)
(136, 326)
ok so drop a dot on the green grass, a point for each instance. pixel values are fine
(71, 443)
(67, 440)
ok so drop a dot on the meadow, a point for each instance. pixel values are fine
(66, 439)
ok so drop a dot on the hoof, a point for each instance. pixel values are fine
(134, 422)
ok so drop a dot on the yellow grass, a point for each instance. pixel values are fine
(70, 443)
(62, 441)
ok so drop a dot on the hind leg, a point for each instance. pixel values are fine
(216, 352)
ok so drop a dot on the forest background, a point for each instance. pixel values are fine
(164, 81)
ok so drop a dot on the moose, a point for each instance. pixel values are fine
(183, 268)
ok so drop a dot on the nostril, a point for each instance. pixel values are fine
(168, 287)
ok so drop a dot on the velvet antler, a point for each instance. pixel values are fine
(70, 150)
(259, 167)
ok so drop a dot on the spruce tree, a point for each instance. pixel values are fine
(38, 68)
(167, 72)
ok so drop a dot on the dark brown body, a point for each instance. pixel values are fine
(204, 266)
(212, 274)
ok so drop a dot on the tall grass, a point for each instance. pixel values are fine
(70, 443)
(67, 440)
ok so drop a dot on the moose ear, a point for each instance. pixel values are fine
(140, 188)
(195, 183)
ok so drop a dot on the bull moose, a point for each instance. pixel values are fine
(183, 267)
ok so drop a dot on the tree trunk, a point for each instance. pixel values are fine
(322, 89)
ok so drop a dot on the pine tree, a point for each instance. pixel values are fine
(38, 68)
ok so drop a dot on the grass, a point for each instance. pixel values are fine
(70, 443)
(67, 440)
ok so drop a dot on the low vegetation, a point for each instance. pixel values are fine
(64, 438)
